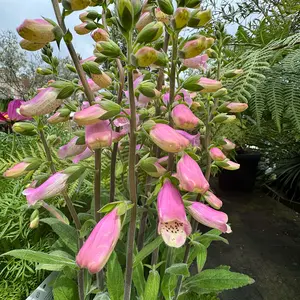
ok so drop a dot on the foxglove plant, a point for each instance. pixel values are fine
(163, 120)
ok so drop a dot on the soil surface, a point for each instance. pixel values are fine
(265, 244)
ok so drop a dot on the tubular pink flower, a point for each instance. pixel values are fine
(83, 155)
(209, 85)
(184, 118)
(190, 176)
(197, 62)
(209, 217)
(57, 118)
(71, 149)
(100, 35)
(236, 107)
(36, 30)
(173, 224)
(90, 58)
(12, 110)
(53, 186)
(98, 135)
(193, 139)
(43, 103)
(213, 200)
(17, 170)
(102, 80)
(89, 115)
(231, 166)
(31, 46)
(229, 145)
(216, 154)
(97, 249)
(168, 139)
(185, 95)
(93, 86)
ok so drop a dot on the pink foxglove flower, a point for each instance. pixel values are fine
(217, 154)
(83, 155)
(102, 80)
(236, 107)
(97, 249)
(53, 186)
(90, 58)
(184, 118)
(144, 20)
(194, 139)
(209, 85)
(190, 176)
(213, 200)
(12, 110)
(36, 30)
(93, 86)
(229, 145)
(71, 149)
(17, 170)
(209, 217)
(168, 139)
(98, 135)
(89, 115)
(197, 62)
(230, 165)
(173, 225)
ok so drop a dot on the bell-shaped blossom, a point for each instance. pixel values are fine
(43, 103)
(36, 30)
(98, 247)
(12, 110)
(236, 107)
(213, 200)
(183, 94)
(90, 58)
(102, 80)
(173, 224)
(98, 135)
(184, 118)
(53, 186)
(197, 62)
(195, 47)
(209, 85)
(93, 86)
(209, 217)
(193, 139)
(89, 115)
(83, 155)
(229, 145)
(71, 149)
(17, 170)
(30, 45)
(100, 35)
(190, 176)
(168, 139)
(217, 154)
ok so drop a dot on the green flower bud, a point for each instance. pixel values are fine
(192, 83)
(147, 88)
(148, 125)
(109, 48)
(34, 219)
(192, 3)
(150, 32)
(211, 53)
(111, 107)
(199, 18)
(162, 59)
(233, 73)
(44, 71)
(166, 6)
(181, 18)
(24, 128)
(220, 93)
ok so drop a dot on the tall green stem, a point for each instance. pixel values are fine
(172, 90)
(132, 179)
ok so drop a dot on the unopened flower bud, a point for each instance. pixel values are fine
(24, 128)
(100, 35)
(150, 32)
(31, 46)
(162, 59)
(44, 71)
(181, 18)
(102, 80)
(228, 145)
(184, 118)
(220, 93)
(209, 85)
(145, 56)
(166, 6)
(144, 19)
(192, 3)
(152, 167)
(228, 165)
(76, 4)
(217, 154)
(148, 125)
(233, 73)
(199, 18)
(236, 107)
(147, 88)
(211, 53)
(88, 15)
(161, 16)
(34, 219)
(84, 28)
(109, 48)
(193, 48)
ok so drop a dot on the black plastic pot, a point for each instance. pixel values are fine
(243, 179)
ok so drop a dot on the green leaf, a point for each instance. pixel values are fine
(179, 269)
(86, 227)
(148, 249)
(115, 280)
(101, 296)
(41, 257)
(65, 288)
(216, 280)
(210, 236)
(201, 256)
(66, 232)
(138, 279)
(152, 286)
(168, 285)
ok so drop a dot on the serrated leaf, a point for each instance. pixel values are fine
(115, 280)
(179, 269)
(65, 288)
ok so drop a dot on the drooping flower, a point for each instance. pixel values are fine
(229, 145)
(98, 135)
(217, 154)
(181, 17)
(229, 165)
(30, 45)
(209, 217)
(168, 139)
(102, 80)
(184, 118)
(82, 29)
(36, 30)
(43, 103)
(97, 249)
(173, 224)
(190, 176)
(53, 186)
(209, 85)
(213, 200)
(146, 56)
(90, 58)
(12, 110)
(236, 107)
(93, 86)
(17, 170)
(89, 115)
(197, 62)
(71, 149)
(83, 155)
(195, 47)
(193, 139)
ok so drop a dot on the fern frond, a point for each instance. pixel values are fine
(257, 103)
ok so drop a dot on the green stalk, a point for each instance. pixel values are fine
(132, 177)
